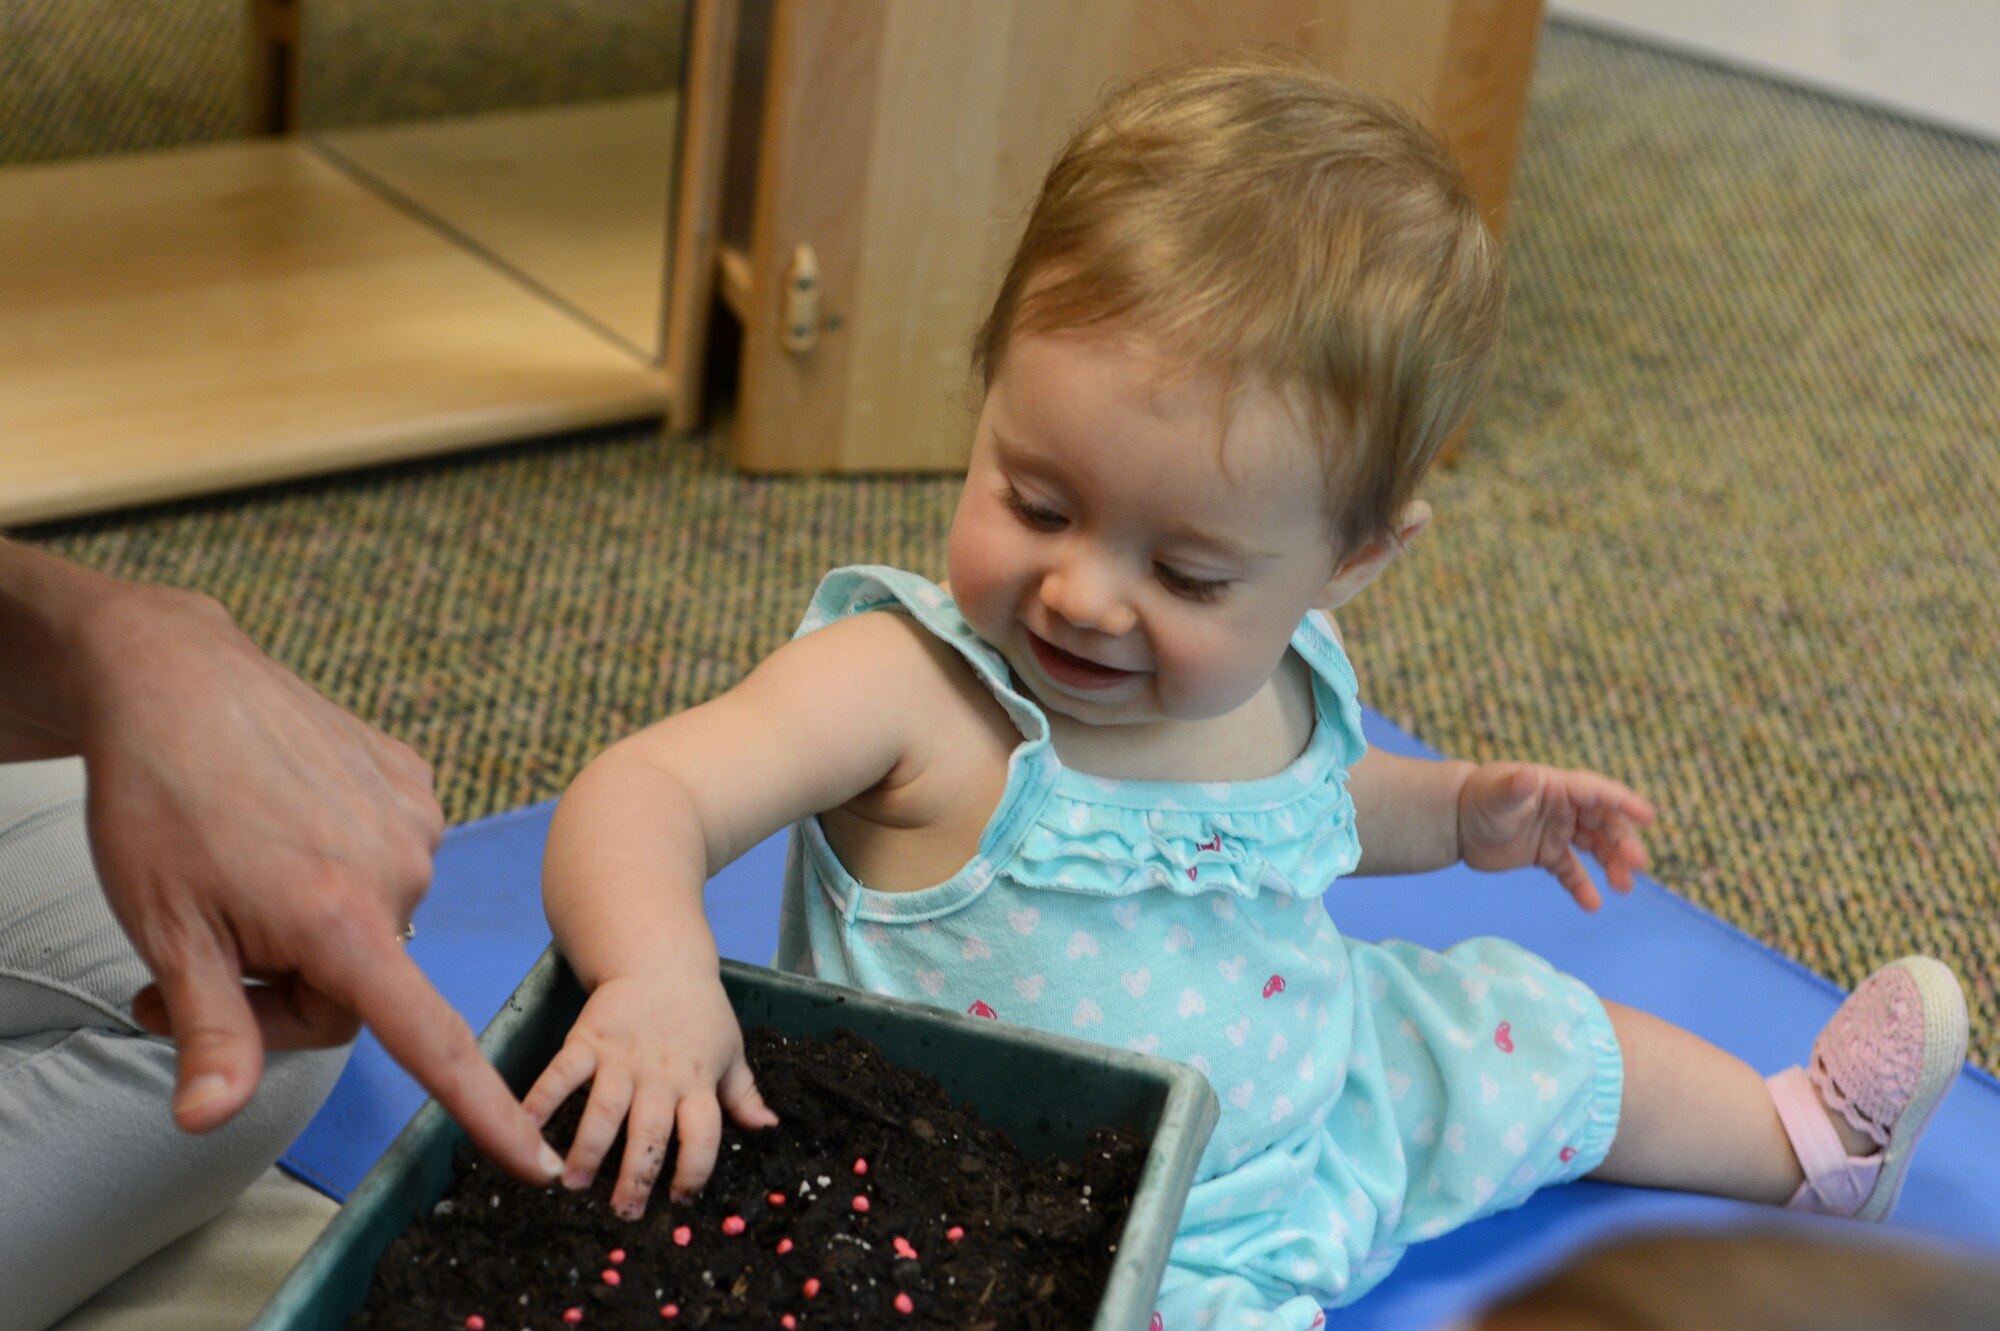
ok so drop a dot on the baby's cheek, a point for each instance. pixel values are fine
(979, 601)
(1209, 673)
(976, 564)
(1227, 662)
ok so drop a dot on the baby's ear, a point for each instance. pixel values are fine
(1416, 516)
(1363, 566)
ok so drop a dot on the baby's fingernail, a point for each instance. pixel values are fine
(576, 1180)
(681, 1198)
(552, 1164)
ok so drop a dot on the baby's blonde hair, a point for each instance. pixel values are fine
(1267, 222)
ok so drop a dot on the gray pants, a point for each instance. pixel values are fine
(94, 1176)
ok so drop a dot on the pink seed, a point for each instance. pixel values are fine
(617, 1256)
(610, 1277)
(860, 1203)
(683, 1235)
(784, 1246)
(903, 1248)
(670, 1311)
(572, 1315)
(789, 1322)
(860, 1166)
(812, 1287)
(954, 1234)
(777, 1199)
(904, 1305)
(475, 1323)
(734, 1225)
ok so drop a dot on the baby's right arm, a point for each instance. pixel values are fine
(634, 841)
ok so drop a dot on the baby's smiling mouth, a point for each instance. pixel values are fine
(1073, 671)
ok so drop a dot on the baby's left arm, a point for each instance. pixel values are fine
(1414, 816)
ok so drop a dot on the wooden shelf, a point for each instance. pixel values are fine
(179, 322)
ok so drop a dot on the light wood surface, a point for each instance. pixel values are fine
(574, 198)
(822, 84)
(178, 322)
(902, 140)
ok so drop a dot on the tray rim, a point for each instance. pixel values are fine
(1189, 1111)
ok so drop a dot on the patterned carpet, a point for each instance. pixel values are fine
(1729, 526)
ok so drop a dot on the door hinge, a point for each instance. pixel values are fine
(799, 332)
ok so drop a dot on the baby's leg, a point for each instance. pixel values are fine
(1193, 1298)
(1700, 1119)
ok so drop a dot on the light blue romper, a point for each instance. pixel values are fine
(1372, 1094)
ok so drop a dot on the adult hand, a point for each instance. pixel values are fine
(245, 827)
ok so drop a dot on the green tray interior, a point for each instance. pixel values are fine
(1045, 1091)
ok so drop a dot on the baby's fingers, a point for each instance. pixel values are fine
(573, 1065)
(1576, 880)
(1616, 799)
(738, 1091)
(1621, 850)
(700, 1124)
(610, 1097)
(647, 1133)
(1622, 862)
(1615, 843)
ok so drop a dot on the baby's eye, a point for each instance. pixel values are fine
(1190, 588)
(1038, 516)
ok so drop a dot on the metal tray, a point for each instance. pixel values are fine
(1045, 1091)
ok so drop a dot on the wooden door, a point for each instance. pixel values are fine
(900, 142)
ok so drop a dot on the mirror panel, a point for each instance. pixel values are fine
(542, 134)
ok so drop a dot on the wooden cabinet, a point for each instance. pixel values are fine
(897, 144)
(850, 177)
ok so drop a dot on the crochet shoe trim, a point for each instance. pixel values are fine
(1902, 1093)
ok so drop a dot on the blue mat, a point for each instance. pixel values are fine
(481, 927)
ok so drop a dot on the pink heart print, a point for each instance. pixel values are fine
(1215, 843)
(979, 1009)
(1503, 1038)
(1274, 985)
(1568, 1154)
(1157, 1324)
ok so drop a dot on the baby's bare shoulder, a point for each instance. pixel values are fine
(956, 732)
(922, 821)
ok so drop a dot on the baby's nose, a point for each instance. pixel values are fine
(1089, 598)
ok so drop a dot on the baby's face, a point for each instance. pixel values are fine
(1135, 551)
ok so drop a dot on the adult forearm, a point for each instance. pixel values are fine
(1406, 812)
(44, 604)
(624, 872)
(75, 643)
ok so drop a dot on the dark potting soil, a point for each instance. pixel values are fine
(1038, 1241)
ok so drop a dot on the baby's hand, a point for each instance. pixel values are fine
(660, 1053)
(1511, 815)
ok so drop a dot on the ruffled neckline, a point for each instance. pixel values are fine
(1291, 833)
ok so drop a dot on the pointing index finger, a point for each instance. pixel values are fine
(427, 1036)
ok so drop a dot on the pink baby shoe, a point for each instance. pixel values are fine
(1883, 1063)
